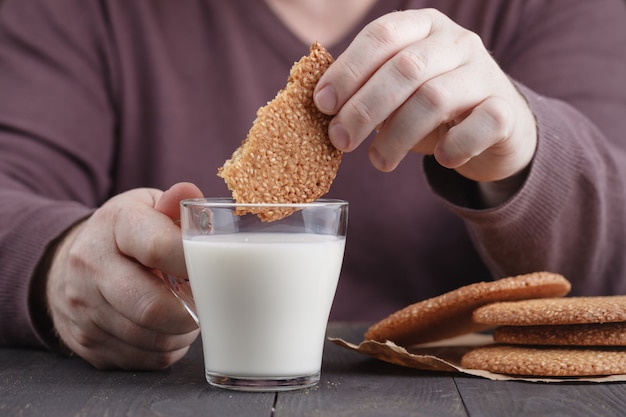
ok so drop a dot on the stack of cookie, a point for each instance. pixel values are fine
(538, 331)
(558, 337)
(450, 314)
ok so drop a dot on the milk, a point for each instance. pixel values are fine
(263, 300)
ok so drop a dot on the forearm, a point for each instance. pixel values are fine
(568, 213)
(23, 266)
(567, 217)
(56, 146)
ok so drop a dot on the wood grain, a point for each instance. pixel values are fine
(355, 385)
(37, 383)
(511, 398)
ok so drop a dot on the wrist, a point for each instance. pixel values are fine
(39, 301)
(495, 193)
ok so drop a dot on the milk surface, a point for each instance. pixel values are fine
(263, 300)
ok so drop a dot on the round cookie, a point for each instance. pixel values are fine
(287, 156)
(607, 334)
(450, 314)
(546, 362)
(569, 310)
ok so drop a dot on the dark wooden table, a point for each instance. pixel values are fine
(36, 383)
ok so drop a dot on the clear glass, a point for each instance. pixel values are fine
(261, 291)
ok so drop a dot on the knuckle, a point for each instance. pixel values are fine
(433, 96)
(352, 70)
(362, 112)
(469, 40)
(499, 117)
(75, 258)
(81, 254)
(108, 212)
(409, 64)
(84, 339)
(383, 32)
(150, 312)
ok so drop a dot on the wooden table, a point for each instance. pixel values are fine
(36, 383)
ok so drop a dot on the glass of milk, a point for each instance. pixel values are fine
(261, 291)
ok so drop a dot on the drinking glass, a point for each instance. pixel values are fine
(261, 291)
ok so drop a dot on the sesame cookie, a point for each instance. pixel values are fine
(287, 156)
(450, 314)
(569, 310)
(546, 362)
(606, 334)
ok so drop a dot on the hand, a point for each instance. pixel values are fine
(106, 304)
(427, 85)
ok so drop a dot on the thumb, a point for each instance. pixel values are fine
(169, 202)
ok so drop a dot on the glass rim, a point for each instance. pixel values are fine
(230, 202)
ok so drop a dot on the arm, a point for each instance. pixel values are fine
(74, 260)
(50, 177)
(569, 214)
(526, 148)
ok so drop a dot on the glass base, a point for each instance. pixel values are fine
(262, 384)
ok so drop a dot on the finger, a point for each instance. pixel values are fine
(143, 299)
(146, 231)
(467, 145)
(422, 119)
(169, 203)
(130, 304)
(144, 339)
(104, 351)
(394, 83)
(179, 332)
(151, 237)
(87, 336)
(121, 356)
(374, 45)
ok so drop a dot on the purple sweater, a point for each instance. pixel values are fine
(100, 96)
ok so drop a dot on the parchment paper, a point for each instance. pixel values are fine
(446, 356)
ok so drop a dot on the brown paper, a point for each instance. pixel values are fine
(446, 356)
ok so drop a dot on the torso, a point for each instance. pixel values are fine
(183, 114)
(325, 21)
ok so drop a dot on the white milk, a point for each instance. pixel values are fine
(263, 300)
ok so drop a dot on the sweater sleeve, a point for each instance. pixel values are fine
(570, 215)
(55, 144)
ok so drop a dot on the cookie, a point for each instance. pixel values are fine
(546, 362)
(607, 334)
(287, 156)
(569, 310)
(450, 314)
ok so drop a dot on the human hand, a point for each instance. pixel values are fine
(427, 85)
(106, 302)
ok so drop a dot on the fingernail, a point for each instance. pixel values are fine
(326, 100)
(338, 136)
